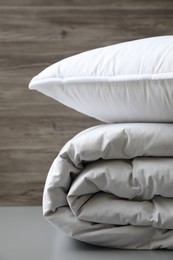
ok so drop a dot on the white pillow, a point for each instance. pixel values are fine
(126, 82)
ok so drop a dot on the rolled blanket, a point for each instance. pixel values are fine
(112, 185)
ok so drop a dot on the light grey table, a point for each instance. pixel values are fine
(25, 235)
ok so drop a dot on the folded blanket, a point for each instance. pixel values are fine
(112, 185)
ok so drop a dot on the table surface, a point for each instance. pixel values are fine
(26, 235)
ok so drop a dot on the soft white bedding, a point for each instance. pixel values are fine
(124, 82)
(112, 185)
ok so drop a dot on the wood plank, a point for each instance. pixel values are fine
(59, 24)
(39, 132)
(23, 173)
(127, 4)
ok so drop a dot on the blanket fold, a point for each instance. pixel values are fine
(112, 185)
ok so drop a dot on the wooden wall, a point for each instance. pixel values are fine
(33, 35)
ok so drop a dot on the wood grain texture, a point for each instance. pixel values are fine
(33, 35)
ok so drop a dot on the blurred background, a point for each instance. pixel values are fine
(33, 35)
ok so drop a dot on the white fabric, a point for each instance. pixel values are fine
(127, 82)
(111, 185)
